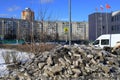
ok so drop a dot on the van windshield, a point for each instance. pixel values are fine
(96, 42)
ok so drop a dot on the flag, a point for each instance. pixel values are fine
(101, 7)
(108, 6)
(96, 9)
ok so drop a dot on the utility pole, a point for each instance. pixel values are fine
(18, 32)
(70, 28)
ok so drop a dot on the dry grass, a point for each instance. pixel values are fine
(33, 48)
(12, 57)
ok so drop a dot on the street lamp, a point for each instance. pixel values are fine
(70, 28)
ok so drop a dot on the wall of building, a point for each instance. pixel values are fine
(99, 23)
(23, 29)
(27, 14)
(115, 22)
(79, 30)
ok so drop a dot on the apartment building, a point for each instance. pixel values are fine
(27, 27)
(27, 14)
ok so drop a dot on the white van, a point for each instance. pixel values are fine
(107, 40)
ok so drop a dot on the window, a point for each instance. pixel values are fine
(112, 28)
(112, 19)
(104, 41)
(118, 17)
(96, 42)
(117, 27)
(103, 27)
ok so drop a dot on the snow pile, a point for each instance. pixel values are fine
(21, 56)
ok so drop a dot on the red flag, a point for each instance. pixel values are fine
(108, 6)
(101, 7)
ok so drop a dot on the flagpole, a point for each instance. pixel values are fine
(107, 7)
(101, 7)
(106, 23)
(96, 24)
(101, 22)
(107, 27)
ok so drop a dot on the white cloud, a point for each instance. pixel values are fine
(64, 19)
(46, 1)
(3, 15)
(13, 8)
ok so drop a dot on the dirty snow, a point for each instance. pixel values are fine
(22, 56)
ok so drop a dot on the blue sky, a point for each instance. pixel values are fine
(57, 9)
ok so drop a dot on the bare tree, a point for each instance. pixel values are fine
(44, 16)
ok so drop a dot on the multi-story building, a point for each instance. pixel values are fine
(27, 14)
(79, 30)
(27, 28)
(115, 22)
(23, 29)
(103, 23)
(14, 28)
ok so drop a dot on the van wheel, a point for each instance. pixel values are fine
(109, 49)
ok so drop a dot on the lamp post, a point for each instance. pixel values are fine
(18, 34)
(70, 28)
(3, 24)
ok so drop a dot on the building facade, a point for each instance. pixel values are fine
(27, 14)
(79, 30)
(27, 28)
(115, 22)
(103, 23)
(14, 28)
(24, 29)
